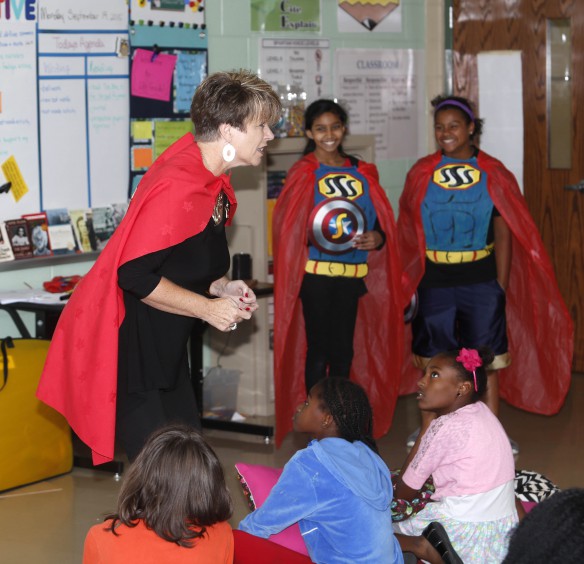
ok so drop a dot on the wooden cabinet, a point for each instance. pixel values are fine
(248, 348)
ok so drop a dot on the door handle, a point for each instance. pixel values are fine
(576, 187)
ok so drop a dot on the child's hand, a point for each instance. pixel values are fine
(368, 241)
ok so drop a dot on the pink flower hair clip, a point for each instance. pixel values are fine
(470, 359)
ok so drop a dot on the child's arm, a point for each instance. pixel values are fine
(402, 490)
(291, 499)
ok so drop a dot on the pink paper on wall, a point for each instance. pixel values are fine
(152, 74)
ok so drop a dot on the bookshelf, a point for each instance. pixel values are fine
(55, 260)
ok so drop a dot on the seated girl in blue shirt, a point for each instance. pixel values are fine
(337, 489)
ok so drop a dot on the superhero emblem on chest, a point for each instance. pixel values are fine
(333, 225)
(340, 185)
(456, 176)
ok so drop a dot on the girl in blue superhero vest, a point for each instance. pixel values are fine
(343, 228)
(461, 215)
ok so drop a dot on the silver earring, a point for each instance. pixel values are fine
(228, 152)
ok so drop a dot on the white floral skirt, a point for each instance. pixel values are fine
(482, 542)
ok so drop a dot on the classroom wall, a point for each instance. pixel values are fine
(232, 45)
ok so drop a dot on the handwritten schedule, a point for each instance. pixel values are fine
(83, 108)
(18, 117)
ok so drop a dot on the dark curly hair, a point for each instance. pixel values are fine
(175, 486)
(487, 358)
(552, 532)
(464, 106)
(349, 406)
(314, 111)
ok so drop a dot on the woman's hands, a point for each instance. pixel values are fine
(236, 302)
(368, 241)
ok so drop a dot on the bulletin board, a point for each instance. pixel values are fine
(168, 62)
(64, 105)
(163, 81)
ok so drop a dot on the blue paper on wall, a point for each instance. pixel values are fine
(190, 70)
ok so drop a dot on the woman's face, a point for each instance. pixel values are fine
(453, 133)
(309, 415)
(439, 387)
(327, 132)
(250, 145)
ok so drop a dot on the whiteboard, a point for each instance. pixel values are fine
(63, 143)
(18, 115)
(67, 125)
(85, 116)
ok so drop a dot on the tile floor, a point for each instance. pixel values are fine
(45, 523)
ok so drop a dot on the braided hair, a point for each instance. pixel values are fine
(486, 356)
(350, 409)
(553, 531)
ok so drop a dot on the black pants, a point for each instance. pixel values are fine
(140, 414)
(330, 312)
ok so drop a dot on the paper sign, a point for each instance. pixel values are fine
(167, 132)
(142, 130)
(152, 74)
(12, 173)
(294, 17)
(141, 157)
(190, 71)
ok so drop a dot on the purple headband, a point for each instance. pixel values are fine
(460, 105)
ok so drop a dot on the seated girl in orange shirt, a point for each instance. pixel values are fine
(173, 507)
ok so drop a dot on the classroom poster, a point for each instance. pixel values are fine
(168, 12)
(303, 64)
(285, 15)
(383, 91)
(362, 16)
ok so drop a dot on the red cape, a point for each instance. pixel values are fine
(173, 202)
(378, 338)
(539, 328)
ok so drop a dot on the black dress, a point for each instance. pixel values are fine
(154, 386)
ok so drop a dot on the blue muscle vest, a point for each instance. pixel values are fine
(342, 182)
(457, 209)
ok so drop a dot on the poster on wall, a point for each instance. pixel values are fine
(285, 15)
(383, 91)
(380, 16)
(300, 65)
(168, 12)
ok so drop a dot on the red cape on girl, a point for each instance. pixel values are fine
(378, 338)
(539, 328)
(173, 202)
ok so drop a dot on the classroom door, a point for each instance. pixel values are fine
(550, 36)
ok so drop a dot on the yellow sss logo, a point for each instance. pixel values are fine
(340, 185)
(456, 176)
